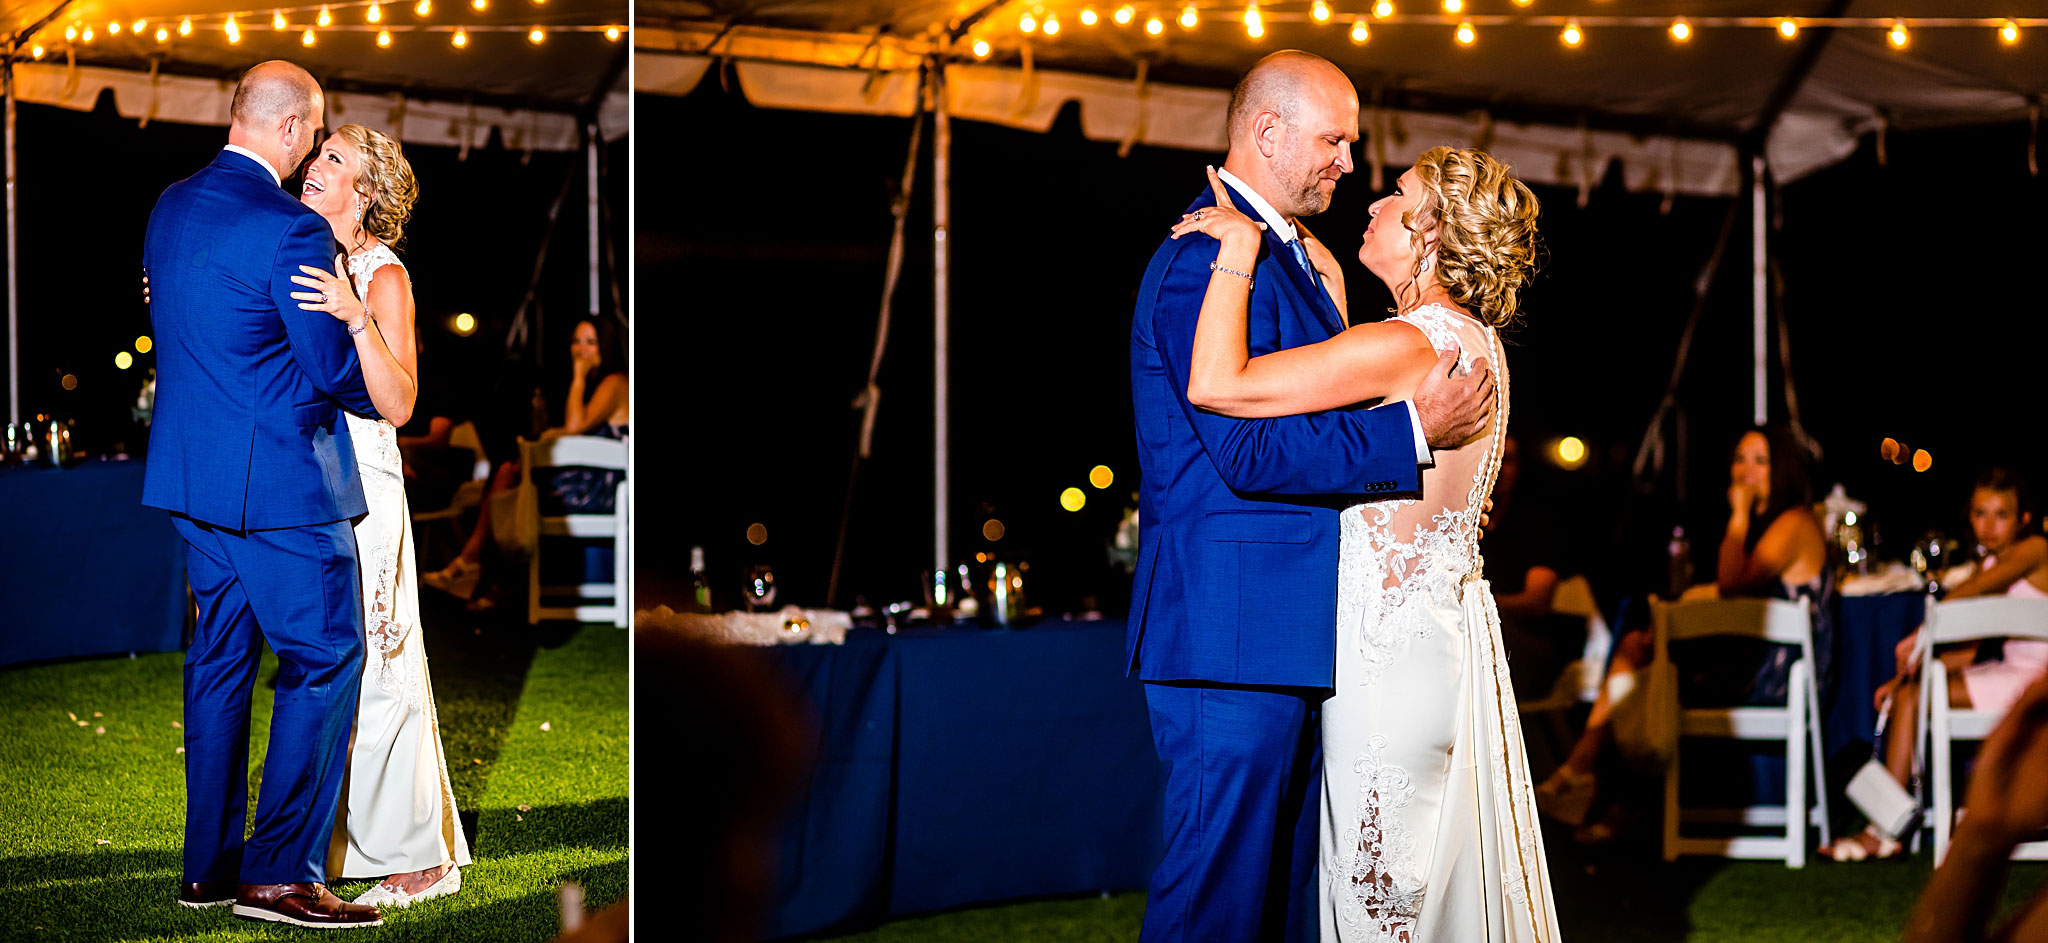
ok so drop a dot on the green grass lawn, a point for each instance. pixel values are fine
(1626, 895)
(92, 814)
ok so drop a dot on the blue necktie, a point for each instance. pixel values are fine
(1301, 255)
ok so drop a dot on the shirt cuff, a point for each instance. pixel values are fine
(1422, 456)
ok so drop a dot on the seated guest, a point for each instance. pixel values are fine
(597, 405)
(1773, 547)
(2015, 564)
(2007, 803)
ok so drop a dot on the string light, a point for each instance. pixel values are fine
(114, 29)
(1787, 28)
(1359, 34)
(277, 21)
(87, 35)
(35, 51)
(124, 359)
(384, 38)
(185, 26)
(1188, 17)
(612, 33)
(1052, 24)
(981, 49)
(71, 33)
(460, 39)
(143, 344)
(139, 26)
(2010, 32)
(1088, 17)
(1154, 27)
(325, 18)
(535, 36)
(479, 5)
(1523, 3)
(1028, 23)
(423, 8)
(1681, 30)
(1124, 14)
(233, 29)
(1254, 25)
(1466, 34)
(1454, 6)
(1572, 35)
(1321, 12)
(163, 35)
(1383, 9)
(375, 14)
(306, 38)
(1898, 36)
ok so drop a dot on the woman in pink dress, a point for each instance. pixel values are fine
(2016, 564)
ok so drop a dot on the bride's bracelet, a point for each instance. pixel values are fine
(369, 318)
(1248, 283)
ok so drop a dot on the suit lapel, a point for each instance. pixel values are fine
(1311, 292)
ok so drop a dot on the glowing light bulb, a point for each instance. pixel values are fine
(1787, 28)
(1189, 18)
(479, 5)
(325, 18)
(1124, 14)
(1454, 6)
(1466, 34)
(306, 38)
(375, 13)
(1101, 477)
(233, 29)
(1073, 499)
(1359, 34)
(981, 48)
(2009, 33)
(384, 38)
(35, 51)
(465, 323)
(1897, 36)
(1027, 23)
(1681, 30)
(71, 33)
(612, 33)
(1088, 17)
(1571, 451)
(277, 20)
(1523, 3)
(1321, 12)
(114, 29)
(1052, 25)
(1254, 24)
(1572, 35)
(423, 8)
(87, 35)
(139, 27)
(535, 36)
(163, 35)
(185, 26)
(1154, 26)
(124, 360)
(1383, 9)
(460, 39)
(143, 344)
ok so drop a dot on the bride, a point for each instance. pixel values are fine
(1429, 829)
(398, 814)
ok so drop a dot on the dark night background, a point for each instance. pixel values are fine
(762, 242)
(87, 182)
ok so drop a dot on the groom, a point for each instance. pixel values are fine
(250, 455)
(1233, 614)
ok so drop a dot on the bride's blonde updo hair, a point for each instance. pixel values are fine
(1485, 221)
(384, 181)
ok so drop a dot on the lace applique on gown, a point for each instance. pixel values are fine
(1422, 729)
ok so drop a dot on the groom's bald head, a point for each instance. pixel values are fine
(277, 113)
(1292, 120)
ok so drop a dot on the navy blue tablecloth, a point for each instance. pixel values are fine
(85, 569)
(1867, 629)
(964, 765)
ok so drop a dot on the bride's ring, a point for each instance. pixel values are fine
(326, 298)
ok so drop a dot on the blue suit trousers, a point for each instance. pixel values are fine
(1243, 776)
(296, 588)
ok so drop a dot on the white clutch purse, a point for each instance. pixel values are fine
(1890, 808)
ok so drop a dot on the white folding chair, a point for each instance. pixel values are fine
(617, 601)
(1550, 714)
(1964, 620)
(1797, 725)
(468, 495)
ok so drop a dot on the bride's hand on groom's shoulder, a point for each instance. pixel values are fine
(331, 293)
(1222, 222)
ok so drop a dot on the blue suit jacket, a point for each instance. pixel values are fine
(247, 433)
(1237, 560)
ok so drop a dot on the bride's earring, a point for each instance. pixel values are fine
(359, 209)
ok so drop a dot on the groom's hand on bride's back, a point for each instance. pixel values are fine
(1454, 408)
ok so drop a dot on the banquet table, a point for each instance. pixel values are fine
(1867, 628)
(85, 569)
(962, 765)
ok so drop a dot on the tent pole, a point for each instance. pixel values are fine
(591, 137)
(1759, 281)
(942, 145)
(13, 287)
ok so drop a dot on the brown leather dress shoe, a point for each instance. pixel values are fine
(206, 894)
(302, 905)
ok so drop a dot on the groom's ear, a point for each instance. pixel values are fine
(1266, 133)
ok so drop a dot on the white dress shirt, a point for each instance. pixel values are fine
(258, 158)
(1284, 228)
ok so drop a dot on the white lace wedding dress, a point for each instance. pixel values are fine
(398, 811)
(1429, 831)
